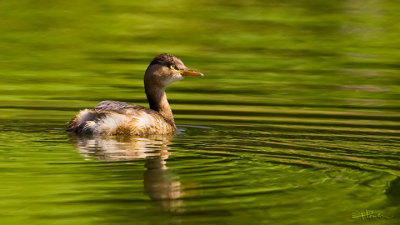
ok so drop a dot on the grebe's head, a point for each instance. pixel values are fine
(166, 69)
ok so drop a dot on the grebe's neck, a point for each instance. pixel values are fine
(158, 102)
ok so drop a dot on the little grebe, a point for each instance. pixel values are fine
(114, 118)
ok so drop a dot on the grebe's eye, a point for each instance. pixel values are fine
(172, 67)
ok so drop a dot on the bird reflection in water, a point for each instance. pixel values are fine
(159, 184)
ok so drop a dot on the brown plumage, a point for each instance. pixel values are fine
(114, 118)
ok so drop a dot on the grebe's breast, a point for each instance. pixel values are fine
(113, 118)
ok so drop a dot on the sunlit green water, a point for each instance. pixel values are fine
(296, 121)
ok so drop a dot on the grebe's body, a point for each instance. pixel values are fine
(114, 118)
(120, 118)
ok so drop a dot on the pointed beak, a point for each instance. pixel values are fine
(192, 73)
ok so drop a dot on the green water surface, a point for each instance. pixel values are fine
(296, 121)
